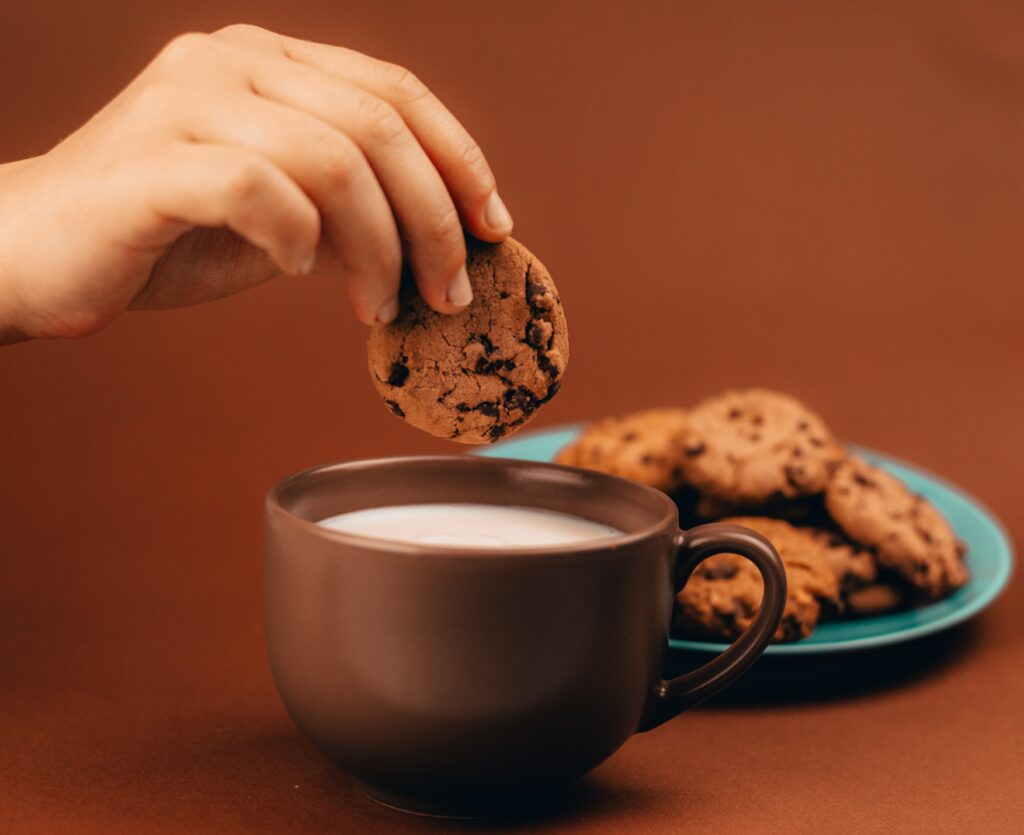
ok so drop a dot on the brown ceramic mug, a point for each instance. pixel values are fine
(449, 681)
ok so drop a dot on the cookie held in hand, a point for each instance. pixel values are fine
(480, 374)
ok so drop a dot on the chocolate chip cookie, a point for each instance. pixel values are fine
(908, 534)
(724, 593)
(480, 374)
(642, 446)
(755, 445)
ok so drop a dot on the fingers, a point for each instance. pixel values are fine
(205, 185)
(331, 169)
(446, 142)
(417, 194)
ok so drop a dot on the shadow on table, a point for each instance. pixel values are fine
(588, 798)
(265, 776)
(834, 676)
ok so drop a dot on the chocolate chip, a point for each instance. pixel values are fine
(487, 408)
(483, 366)
(728, 619)
(399, 374)
(862, 479)
(521, 398)
(718, 571)
(551, 392)
(504, 294)
(694, 449)
(535, 335)
(545, 365)
(395, 408)
(795, 474)
(484, 340)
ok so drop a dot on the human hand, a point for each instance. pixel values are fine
(235, 157)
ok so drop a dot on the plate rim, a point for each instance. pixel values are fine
(1005, 558)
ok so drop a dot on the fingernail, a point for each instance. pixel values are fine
(496, 216)
(460, 293)
(307, 266)
(388, 311)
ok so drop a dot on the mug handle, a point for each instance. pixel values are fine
(675, 695)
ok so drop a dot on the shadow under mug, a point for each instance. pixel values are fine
(454, 681)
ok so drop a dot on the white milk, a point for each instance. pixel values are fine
(470, 525)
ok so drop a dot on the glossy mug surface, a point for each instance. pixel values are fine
(452, 680)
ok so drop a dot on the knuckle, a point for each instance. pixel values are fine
(472, 158)
(445, 235)
(404, 84)
(337, 163)
(183, 49)
(242, 31)
(246, 180)
(381, 123)
(153, 100)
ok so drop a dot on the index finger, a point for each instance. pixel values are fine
(455, 154)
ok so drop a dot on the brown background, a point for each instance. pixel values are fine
(822, 197)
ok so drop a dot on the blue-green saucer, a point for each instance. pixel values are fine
(989, 557)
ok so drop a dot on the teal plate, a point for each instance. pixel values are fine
(989, 557)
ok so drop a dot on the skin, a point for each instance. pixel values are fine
(234, 158)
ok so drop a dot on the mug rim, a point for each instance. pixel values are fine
(273, 504)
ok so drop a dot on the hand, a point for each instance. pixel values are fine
(232, 158)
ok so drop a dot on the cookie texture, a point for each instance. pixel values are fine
(643, 446)
(907, 533)
(755, 445)
(723, 595)
(481, 374)
(853, 565)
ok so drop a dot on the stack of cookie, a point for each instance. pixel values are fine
(855, 541)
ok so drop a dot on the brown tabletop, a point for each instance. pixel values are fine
(823, 198)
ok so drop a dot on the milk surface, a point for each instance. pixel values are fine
(470, 525)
